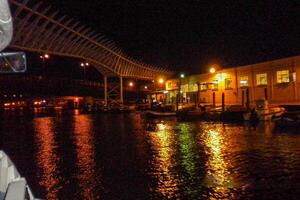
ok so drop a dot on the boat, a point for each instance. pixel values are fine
(12, 185)
(269, 114)
(191, 114)
(288, 120)
(158, 114)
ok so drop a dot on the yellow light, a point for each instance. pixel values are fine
(161, 80)
(212, 70)
(131, 84)
(181, 75)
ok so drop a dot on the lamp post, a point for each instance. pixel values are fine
(84, 65)
(44, 58)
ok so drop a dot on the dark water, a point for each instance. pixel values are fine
(72, 156)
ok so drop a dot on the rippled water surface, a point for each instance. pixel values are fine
(73, 156)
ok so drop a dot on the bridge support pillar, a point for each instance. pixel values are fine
(121, 90)
(105, 92)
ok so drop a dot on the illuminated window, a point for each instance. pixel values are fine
(261, 79)
(215, 85)
(283, 76)
(228, 83)
(203, 86)
(244, 81)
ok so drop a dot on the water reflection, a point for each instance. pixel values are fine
(218, 176)
(189, 159)
(47, 158)
(163, 142)
(84, 139)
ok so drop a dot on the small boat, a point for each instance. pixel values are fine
(12, 185)
(157, 114)
(288, 120)
(191, 114)
(269, 114)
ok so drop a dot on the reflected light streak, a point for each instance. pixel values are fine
(218, 175)
(188, 149)
(163, 143)
(47, 158)
(86, 156)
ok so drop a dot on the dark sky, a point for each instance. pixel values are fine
(189, 35)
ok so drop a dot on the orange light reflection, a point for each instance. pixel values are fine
(163, 143)
(86, 156)
(47, 158)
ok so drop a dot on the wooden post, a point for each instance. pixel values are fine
(248, 99)
(214, 99)
(243, 98)
(223, 102)
(266, 93)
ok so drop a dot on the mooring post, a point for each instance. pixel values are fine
(247, 99)
(214, 99)
(223, 102)
(243, 98)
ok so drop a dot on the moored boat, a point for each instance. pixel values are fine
(157, 114)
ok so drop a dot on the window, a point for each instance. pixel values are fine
(228, 82)
(203, 86)
(283, 76)
(215, 85)
(261, 79)
(244, 81)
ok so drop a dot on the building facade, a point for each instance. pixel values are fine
(277, 81)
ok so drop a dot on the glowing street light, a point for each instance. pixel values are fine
(44, 58)
(181, 75)
(130, 84)
(84, 65)
(212, 70)
(161, 81)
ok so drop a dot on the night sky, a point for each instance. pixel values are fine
(191, 35)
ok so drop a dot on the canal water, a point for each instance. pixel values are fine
(123, 156)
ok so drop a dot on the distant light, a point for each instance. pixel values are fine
(181, 91)
(153, 81)
(181, 75)
(82, 64)
(212, 70)
(131, 84)
(146, 87)
(76, 99)
(87, 64)
(161, 80)
(14, 96)
(166, 92)
(46, 56)
(44, 101)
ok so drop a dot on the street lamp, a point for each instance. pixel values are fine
(161, 80)
(212, 70)
(84, 65)
(44, 58)
(182, 76)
